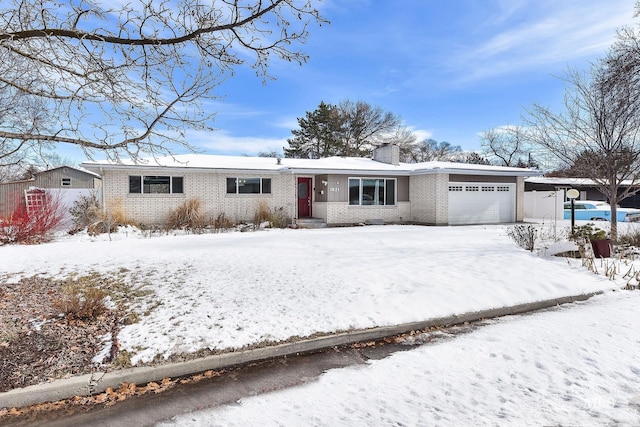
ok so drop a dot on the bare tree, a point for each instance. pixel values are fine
(598, 133)
(364, 127)
(506, 144)
(475, 159)
(131, 77)
(429, 150)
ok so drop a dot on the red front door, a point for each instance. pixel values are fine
(304, 197)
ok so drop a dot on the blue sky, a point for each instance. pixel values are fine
(449, 69)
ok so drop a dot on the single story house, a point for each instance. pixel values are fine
(337, 190)
(67, 181)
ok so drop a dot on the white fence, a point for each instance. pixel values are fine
(544, 204)
(68, 196)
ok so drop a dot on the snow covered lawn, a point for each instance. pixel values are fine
(224, 291)
(577, 365)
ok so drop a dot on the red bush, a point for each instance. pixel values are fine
(33, 223)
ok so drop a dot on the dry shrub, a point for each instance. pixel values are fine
(187, 216)
(109, 221)
(222, 223)
(101, 227)
(263, 213)
(279, 218)
(276, 218)
(85, 211)
(629, 237)
(524, 235)
(81, 301)
(116, 213)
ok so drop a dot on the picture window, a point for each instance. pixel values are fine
(372, 191)
(242, 185)
(156, 184)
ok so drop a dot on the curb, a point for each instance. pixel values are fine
(95, 383)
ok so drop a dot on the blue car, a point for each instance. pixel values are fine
(591, 210)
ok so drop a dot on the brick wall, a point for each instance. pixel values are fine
(209, 188)
(341, 213)
(429, 195)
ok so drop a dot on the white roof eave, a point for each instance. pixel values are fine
(158, 168)
(402, 170)
(376, 172)
(482, 172)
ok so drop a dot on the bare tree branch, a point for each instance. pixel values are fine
(132, 77)
(506, 144)
(598, 132)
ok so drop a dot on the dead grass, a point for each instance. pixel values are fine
(51, 329)
(81, 300)
(222, 223)
(187, 216)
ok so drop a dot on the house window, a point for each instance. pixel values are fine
(66, 182)
(176, 185)
(248, 185)
(372, 191)
(156, 184)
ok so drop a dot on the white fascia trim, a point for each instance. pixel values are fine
(368, 172)
(165, 169)
(481, 172)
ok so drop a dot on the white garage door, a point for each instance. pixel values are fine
(481, 203)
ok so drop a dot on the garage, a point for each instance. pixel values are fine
(481, 203)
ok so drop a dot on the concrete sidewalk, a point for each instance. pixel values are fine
(98, 382)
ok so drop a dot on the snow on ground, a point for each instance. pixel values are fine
(577, 365)
(225, 291)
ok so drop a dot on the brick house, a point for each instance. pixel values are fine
(335, 190)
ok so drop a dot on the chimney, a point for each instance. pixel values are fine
(387, 153)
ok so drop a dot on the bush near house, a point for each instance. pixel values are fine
(85, 211)
(187, 216)
(35, 223)
(276, 218)
(222, 223)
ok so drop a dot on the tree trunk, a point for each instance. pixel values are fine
(613, 201)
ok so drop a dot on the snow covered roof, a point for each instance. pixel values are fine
(77, 168)
(559, 181)
(569, 181)
(336, 165)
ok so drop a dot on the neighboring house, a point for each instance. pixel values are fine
(587, 188)
(338, 190)
(68, 182)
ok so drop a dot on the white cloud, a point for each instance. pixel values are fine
(223, 142)
(421, 134)
(551, 33)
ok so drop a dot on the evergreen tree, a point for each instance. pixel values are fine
(351, 129)
(316, 136)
